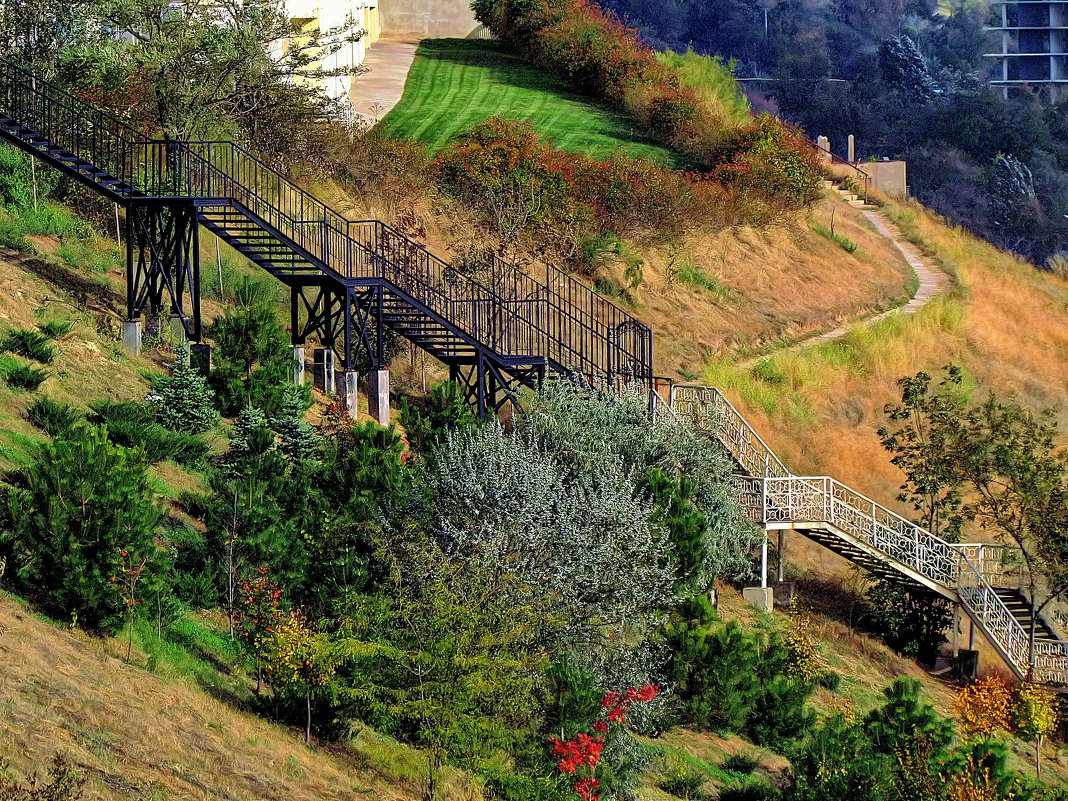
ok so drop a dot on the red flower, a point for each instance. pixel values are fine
(600, 726)
(587, 789)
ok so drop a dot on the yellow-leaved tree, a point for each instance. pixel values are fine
(301, 661)
(1035, 718)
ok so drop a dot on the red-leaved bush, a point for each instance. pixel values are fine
(524, 187)
(580, 756)
(598, 55)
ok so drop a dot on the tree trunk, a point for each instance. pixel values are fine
(1038, 758)
(307, 725)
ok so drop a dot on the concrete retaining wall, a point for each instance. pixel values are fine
(888, 177)
(427, 18)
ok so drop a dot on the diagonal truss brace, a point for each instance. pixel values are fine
(489, 388)
(163, 259)
(348, 320)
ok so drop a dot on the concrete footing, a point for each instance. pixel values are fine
(347, 387)
(323, 370)
(783, 592)
(298, 365)
(378, 396)
(762, 598)
(131, 336)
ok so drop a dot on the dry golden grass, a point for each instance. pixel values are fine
(137, 736)
(1006, 323)
(780, 284)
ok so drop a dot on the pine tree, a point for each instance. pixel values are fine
(183, 401)
(296, 439)
(80, 510)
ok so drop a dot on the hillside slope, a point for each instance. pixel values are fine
(136, 735)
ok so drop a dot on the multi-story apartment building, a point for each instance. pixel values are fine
(326, 16)
(1034, 45)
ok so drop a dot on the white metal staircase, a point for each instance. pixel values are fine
(871, 535)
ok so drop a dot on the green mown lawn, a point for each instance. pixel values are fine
(455, 84)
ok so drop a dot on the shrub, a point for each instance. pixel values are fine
(912, 623)
(56, 329)
(52, 417)
(753, 790)
(23, 376)
(444, 409)
(16, 179)
(740, 763)
(731, 681)
(684, 783)
(133, 425)
(183, 402)
(829, 680)
(767, 159)
(31, 344)
(76, 512)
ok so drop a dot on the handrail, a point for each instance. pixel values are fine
(845, 163)
(558, 321)
(770, 493)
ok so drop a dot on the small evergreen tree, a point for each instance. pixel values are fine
(183, 401)
(296, 439)
(445, 408)
(80, 504)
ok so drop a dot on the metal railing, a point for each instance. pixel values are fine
(771, 494)
(505, 310)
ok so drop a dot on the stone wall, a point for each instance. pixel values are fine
(427, 18)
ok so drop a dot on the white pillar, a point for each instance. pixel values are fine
(852, 149)
(349, 385)
(298, 365)
(131, 336)
(323, 371)
(378, 396)
(764, 561)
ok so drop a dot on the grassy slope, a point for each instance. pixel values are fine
(455, 84)
(175, 733)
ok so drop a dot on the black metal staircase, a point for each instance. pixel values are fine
(350, 280)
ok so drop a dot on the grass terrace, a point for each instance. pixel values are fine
(455, 84)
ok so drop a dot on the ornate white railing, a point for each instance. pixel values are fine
(769, 493)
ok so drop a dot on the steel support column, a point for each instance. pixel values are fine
(163, 259)
(488, 387)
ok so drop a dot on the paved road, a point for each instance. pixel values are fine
(379, 89)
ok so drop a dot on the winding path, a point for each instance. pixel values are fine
(933, 282)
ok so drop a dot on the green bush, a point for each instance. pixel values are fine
(182, 401)
(740, 763)
(17, 179)
(80, 509)
(444, 409)
(133, 425)
(753, 790)
(829, 680)
(684, 783)
(56, 329)
(30, 344)
(912, 623)
(728, 680)
(23, 376)
(51, 416)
